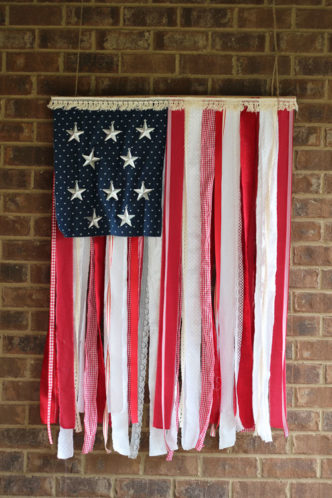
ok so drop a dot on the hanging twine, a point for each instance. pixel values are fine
(79, 48)
(275, 72)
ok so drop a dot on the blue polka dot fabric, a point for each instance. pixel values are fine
(109, 172)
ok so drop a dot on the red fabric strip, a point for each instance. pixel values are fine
(133, 315)
(54, 414)
(206, 193)
(278, 374)
(249, 133)
(215, 410)
(171, 270)
(99, 259)
(65, 330)
(91, 361)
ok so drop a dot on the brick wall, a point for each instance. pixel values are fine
(163, 47)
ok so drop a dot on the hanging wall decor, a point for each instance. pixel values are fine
(170, 255)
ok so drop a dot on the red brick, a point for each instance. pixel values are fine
(303, 278)
(303, 326)
(17, 38)
(238, 42)
(313, 208)
(180, 40)
(248, 443)
(48, 463)
(24, 297)
(96, 63)
(15, 390)
(42, 179)
(289, 467)
(24, 344)
(314, 397)
(196, 488)
(181, 465)
(176, 86)
(27, 108)
(314, 350)
(305, 231)
(300, 42)
(327, 326)
(313, 302)
(306, 184)
(32, 62)
(13, 367)
(93, 16)
(303, 89)
(303, 420)
(154, 63)
(316, 113)
(307, 135)
(24, 485)
(140, 488)
(195, 17)
(39, 321)
(63, 85)
(302, 373)
(311, 489)
(313, 18)
(316, 444)
(328, 137)
(327, 421)
(114, 464)
(223, 466)
(262, 18)
(326, 279)
(313, 66)
(273, 489)
(206, 64)
(34, 416)
(313, 255)
(13, 320)
(35, 368)
(15, 85)
(14, 225)
(64, 39)
(149, 16)
(44, 132)
(13, 273)
(12, 415)
(42, 226)
(39, 274)
(83, 486)
(15, 178)
(122, 85)
(11, 461)
(28, 156)
(327, 468)
(123, 40)
(328, 231)
(27, 203)
(34, 15)
(328, 184)
(233, 86)
(263, 65)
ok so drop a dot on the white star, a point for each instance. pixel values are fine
(129, 159)
(143, 193)
(126, 217)
(74, 133)
(112, 192)
(145, 131)
(90, 160)
(93, 219)
(76, 192)
(111, 133)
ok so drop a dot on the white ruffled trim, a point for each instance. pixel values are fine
(254, 104)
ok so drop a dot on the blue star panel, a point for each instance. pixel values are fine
(96, 191)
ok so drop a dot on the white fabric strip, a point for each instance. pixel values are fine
(117, 339)
(81, 263)
(191, 299)
(65, 444)
(143, 336)
(266, 240)
(229, 273)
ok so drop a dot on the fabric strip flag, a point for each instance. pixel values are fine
(170, 254)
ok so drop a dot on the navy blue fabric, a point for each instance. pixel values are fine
(68, 162)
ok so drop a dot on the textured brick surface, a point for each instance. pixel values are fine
(165, 47)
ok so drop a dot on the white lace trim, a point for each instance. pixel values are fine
(252, 104)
